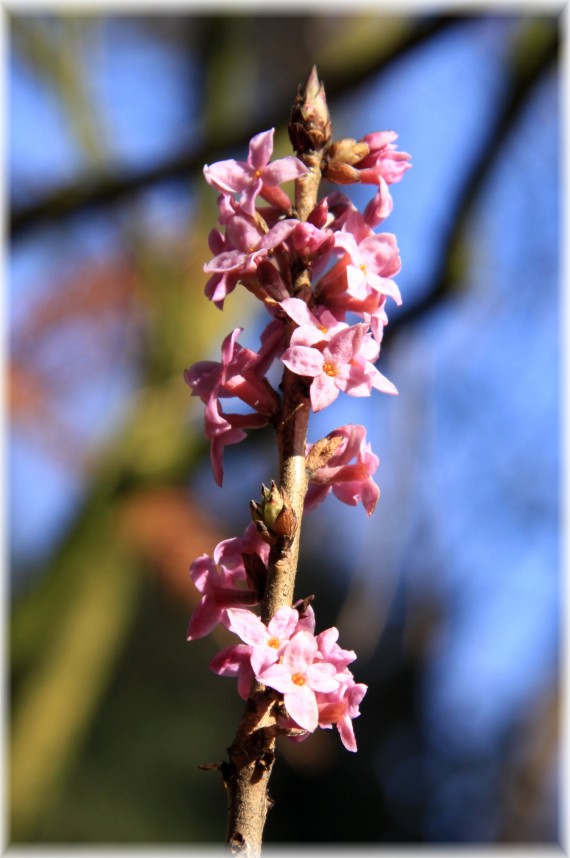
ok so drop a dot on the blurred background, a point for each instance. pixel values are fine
(450, 593)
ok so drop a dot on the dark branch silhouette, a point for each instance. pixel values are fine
(99, 191)
(523, 81)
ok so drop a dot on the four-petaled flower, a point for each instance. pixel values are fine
(298, 676)
(256, 175)
(266, 642)
(339, 366)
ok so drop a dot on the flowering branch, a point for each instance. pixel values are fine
(313, 265)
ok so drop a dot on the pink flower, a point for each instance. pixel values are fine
(309, 240)
(337, 367)
(380, 206)
(233, 661)
(298, 676)
(383, 160)
(372, 262)
(236, 375)
(332, 653)
(256, 175)
(347, 217)
(267, 642)
(229, 552)
(220, 284)
(340, 707)
(239, 374)
(219, 592)
(351, 482)
(248, 245)
(222, 429)
(272, 340)
(313, 328)
(364, 375)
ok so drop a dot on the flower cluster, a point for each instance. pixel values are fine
(338, 326)
(325, 328)
(311, 671)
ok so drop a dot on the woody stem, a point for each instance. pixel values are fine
(252, 753)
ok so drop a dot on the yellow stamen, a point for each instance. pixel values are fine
(274, 642)
(330, 369)
(298, 679)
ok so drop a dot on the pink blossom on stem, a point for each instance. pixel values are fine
(340, 707)
(255, 176)
(312, 328)
(219, 592)
(236, 375)
(220, 284)
(272, 340)
(332, 653)
(222, 429)
(306, 619)
(351, 267)
(298, 677)
(248, 245)
(372, 262)
(337, 367)
(230, 552)
(234, 661)
(383, 160)
(310, 241)
(364, 374)
(380, 206)
(267, 642)
(351, 482)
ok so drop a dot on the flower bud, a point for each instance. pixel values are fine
(342, 174)
(347, 151)
(273, 517)
(310, 125)
(272, 503)
(286, 522)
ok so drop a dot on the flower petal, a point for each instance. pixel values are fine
(283, 170)
(303, 360)
(260, 149)
(247, 626)
(298, 311)
(323, 392)
(301, 704)
(230, 176)
(283, 623)
(345, 345)
(276, 676)
(207, 614)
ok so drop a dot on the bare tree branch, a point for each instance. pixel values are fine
(525, 78)
(99, 191)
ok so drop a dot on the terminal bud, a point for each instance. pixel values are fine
(310, 127)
